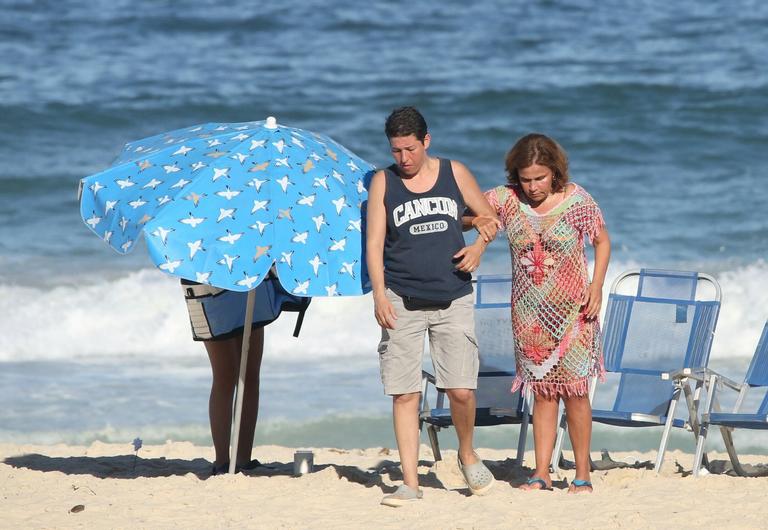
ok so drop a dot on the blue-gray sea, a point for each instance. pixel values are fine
(660, 105)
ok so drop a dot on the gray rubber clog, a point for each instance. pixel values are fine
(479, 478)
(403, 495)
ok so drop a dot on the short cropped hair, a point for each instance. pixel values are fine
(405, 121)
(541, 150)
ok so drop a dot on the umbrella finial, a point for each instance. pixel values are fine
(271, 123)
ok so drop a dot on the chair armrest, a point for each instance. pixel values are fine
(712, 381)
(697, 374)
(702, 375)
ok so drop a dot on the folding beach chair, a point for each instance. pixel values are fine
(666, 325)
(757, 377)
(496, 404)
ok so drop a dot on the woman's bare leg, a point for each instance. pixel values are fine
(544, 432)
(224, 356)
(251, 397)
(579, 415)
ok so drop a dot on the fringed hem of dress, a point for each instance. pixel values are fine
(579, 387)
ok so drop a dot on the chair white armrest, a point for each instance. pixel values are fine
(702, 375)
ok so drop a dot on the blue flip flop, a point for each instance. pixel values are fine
(536, 480)
(581, 483)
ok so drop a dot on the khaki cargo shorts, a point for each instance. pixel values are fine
(452, 345)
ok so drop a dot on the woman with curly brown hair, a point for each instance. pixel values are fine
(554, 304)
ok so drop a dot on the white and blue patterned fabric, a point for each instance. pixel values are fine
(220, 203)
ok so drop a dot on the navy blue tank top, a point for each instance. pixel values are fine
(423, 234)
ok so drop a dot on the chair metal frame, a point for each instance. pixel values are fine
(756, 377)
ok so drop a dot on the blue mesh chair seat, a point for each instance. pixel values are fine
(755, 379)
(633, 419)
(484, 417)
(745, 421)
(496, 403)
(503, 406)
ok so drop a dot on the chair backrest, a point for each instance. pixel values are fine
(653, 283)
(660, 328)
(496, 345)
(757, 374)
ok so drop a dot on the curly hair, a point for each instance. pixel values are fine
(405, 121)
(541, 150)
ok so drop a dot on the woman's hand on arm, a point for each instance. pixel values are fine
(486, 227)
(483, 218)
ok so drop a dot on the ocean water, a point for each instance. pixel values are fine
(661, 108)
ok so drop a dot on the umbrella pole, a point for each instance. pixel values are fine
(247, 324)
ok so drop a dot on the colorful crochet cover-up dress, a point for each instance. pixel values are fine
(557, 350)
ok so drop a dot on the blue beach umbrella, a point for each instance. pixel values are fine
(221, 203)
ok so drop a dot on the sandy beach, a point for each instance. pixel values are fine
(661, 107)
(169, 486)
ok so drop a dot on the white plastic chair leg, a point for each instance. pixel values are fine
(558, 449)
(667, 429)
(523, 438)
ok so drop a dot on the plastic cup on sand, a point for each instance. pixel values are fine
(303, 462)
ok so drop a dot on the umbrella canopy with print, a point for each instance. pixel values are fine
(220, 203)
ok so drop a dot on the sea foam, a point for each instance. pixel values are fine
(143, 314)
